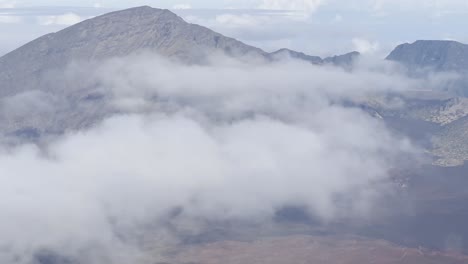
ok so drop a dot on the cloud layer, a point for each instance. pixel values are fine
(219, 142)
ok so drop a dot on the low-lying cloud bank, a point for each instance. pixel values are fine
(182, 144)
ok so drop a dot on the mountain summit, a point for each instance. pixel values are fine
(440, 55)
(115, 34)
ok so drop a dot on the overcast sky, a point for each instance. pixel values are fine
(317, 27)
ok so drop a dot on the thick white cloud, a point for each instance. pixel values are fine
(224, 141)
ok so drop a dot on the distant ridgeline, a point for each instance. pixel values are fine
(125, 32)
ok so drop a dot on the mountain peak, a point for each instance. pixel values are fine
(441, 55)
(116, 34)
(141, 12)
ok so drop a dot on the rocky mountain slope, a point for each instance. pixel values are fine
(451, 143)
(439, 55)
(438, 124)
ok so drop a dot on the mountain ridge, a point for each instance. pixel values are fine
(439, 55)
(121, 33)
(344, 60)
(115, 34)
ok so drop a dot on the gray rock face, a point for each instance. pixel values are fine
(434, 54)
(115, 34)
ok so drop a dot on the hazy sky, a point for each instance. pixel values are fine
(318, 27)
